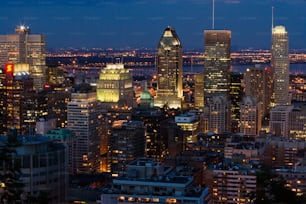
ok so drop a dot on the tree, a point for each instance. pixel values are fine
(10, 172)
(271, 188)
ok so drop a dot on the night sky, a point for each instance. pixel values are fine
(140, 23)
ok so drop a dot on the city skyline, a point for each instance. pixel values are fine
(137, 24)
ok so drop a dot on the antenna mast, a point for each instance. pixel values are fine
(272, 23)
(213, 14)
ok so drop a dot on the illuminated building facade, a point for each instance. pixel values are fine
(58, 98)
(24, 47)
(189, 123)
(250, 117)
(199, 90)
(169, 71)
(280, 65)
(84, 119)
(115, 86)
(127, 143)
(217, 47)
(258, 84)
(15, 86)
(219, 114)
(236, 94)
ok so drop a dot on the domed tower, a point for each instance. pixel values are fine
(146, 99)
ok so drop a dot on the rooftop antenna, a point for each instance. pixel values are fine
(272, 23)
(213, 14)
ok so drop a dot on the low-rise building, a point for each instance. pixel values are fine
(147, 181)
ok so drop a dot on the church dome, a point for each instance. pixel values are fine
(145, 95)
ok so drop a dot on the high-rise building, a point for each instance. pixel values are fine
(217, 46)
(258, 83)
(23, 47)
(199, 90)
(169, 70)
(127, 143)
(236, 94)
(250, 117)
(152, 118)
(280, 65)
(219, 114)
(15, 86)
(84, 118)
(115, 86)
(58, 98)
(189, 123)
(279, 120)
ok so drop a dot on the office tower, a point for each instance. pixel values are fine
(199, 90)
(23, 47)
(173, 136)
(147, 181)
(279, 120)
(169, 71)
(280, 65)
(15, 86)
(58, 98)
(84, 118)
(217, 46)
(250, 116)
(219, 114)
(115, 86)
(34, 106)
(258, 84)
(127, 143)
(152, 118)
(236, 94)
(189, 123)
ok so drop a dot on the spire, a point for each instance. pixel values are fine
(272, 18)
(213, 14)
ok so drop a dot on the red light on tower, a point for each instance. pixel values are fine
(9, 68)
(267, 69)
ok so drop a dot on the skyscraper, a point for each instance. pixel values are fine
(199, 90)
(23, 47)
(15, 86)
(258, 83)
(280, 65)
(250, 117)
(169, 70)
(127, 143)
(236, 94)
(83, 117)
(217, 46)
(219, 114)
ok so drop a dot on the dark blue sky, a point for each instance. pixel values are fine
(140, 23)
